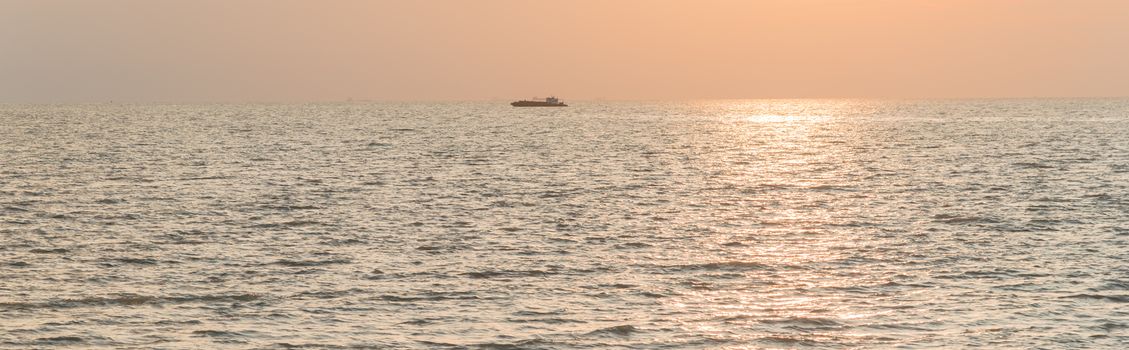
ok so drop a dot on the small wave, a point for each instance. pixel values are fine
(988, 274)
(288, 224)
(1114, 285)
(135, 261)
(342, 242)
(308, 263)
(554, 194)
(60, 340)
(333, 294)
(48, 251)
(504, 204)
(431, 297)
(1111, 326)
(621, 330)
(771, 186)
(1113, 298)
(804, 321)
(697, 285)
(476, 161)
(957, 219)
(549, 321)
(618, 285)
(507, 274)
(215, 333)
(291, 207)
(128, 300)
(830, 188)
(789, 340)
(423, 321)
(524, 344)
(652, 295)
(1028, 165)
(722, 266)
(400, 298)
(538, 313)
(897, 326)
(204, 178)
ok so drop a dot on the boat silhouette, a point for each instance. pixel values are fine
(547, 102)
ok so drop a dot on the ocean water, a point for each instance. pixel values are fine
(666, 225)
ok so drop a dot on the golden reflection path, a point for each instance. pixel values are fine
(787, 160)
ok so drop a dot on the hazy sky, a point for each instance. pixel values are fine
(279, 50)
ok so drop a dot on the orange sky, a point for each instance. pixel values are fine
(280, 50)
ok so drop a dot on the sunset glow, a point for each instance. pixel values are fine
(261, 50)
(714, 174)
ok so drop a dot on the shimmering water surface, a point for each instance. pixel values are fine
(713, 224)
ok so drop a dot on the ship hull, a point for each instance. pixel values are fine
(536, 104)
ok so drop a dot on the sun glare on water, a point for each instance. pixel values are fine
(775, 118)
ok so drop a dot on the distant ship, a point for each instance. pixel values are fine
(548, 102)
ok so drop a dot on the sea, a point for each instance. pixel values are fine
(714, 224)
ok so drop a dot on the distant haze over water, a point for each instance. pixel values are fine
(699, 224)
(62, 51)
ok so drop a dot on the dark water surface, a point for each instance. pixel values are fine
(725, 224)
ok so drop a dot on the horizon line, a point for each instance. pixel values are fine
(499, 99)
